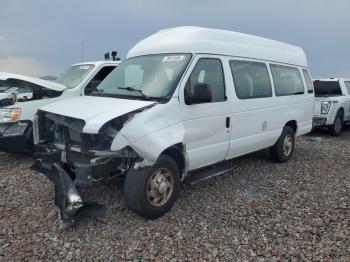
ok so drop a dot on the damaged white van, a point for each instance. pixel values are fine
(21, 97)
(185, 99)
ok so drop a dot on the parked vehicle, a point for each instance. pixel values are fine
(185, 99)
(18, 105)
(332, 104)
(16, 93)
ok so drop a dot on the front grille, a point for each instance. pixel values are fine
(60, 129)
(67, 131)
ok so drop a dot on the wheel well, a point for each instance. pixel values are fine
(175, 152)
(341, 110)
(293, 125)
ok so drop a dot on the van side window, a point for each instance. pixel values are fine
(347, 84)
(287, 80)
(251, 79)
(309, 84)
(208, 71)
(97, 79)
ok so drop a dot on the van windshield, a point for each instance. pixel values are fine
(145, 77)
(74, 75)
(327, 88)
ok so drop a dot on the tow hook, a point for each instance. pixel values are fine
(71, 207)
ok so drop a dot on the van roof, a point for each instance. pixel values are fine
(192, 39)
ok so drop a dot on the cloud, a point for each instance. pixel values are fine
(52, 31)
(24, 66)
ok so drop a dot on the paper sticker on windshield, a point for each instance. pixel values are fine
(173, 58)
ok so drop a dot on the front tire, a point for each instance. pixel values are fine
(283, 150)
(337, 127)
(152, 191)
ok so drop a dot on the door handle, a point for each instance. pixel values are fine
(228, 122)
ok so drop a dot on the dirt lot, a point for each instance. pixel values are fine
(261, 211)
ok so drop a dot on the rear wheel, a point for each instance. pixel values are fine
(283, 150)
(337, 127)
(152, 191)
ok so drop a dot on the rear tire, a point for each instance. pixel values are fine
(283, 150)
(337, 127)
(152, 191)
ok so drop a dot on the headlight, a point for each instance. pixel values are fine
(9, 115)
(325, 106)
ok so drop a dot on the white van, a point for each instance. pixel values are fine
(18, 105)
(184, 99)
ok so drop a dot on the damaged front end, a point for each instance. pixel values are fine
(69, 157)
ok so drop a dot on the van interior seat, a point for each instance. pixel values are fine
(245, 86)
(215, 82)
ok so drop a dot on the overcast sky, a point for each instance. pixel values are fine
(40, 37)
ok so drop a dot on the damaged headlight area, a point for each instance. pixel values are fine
(86, 155)
(103, 140)
(69, 157)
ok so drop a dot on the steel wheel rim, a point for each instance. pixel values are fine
(160, 187)
(288, 145)
(337, 124)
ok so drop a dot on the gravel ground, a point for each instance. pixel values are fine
(261, 211)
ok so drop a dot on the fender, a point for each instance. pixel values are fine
(152, 131)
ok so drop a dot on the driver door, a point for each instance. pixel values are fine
(207, 125)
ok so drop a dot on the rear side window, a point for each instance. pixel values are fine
(287, 80)
(209, 71)
(309, 84)
(347, 84)
(251, 79)
(327, 88)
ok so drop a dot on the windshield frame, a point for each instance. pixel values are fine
(92, 66)
(159, 99)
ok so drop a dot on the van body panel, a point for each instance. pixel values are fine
(205, 124)
(151, 126)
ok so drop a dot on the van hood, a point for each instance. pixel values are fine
(95, 111)
(15, 80)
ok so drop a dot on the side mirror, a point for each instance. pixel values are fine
(201, 94)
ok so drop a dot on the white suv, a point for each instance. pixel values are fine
(18, 105)
(332, 104)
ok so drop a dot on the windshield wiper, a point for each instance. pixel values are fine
(138, 91)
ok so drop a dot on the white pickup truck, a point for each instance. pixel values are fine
(332, 104)
(17, 113)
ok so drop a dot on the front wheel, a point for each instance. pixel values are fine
(152, 191)
(283, 150)
(337, 127)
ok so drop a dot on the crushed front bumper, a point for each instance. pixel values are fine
(16, 137)
(67, 198)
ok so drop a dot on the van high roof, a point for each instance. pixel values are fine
(191, 39)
